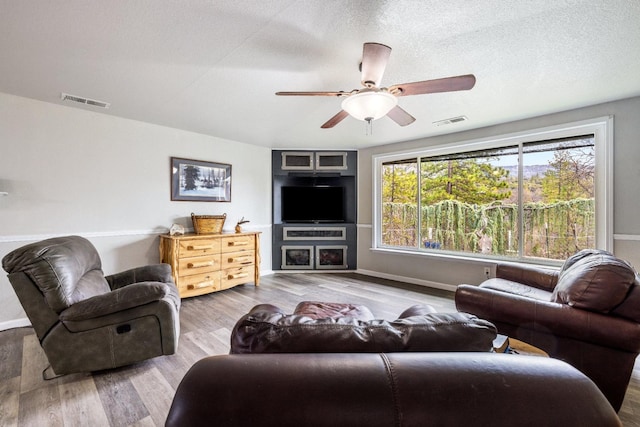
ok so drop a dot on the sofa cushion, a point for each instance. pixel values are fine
(320, 310)
(417, 310)
(596, 281)
(271, 331)
(516, 288)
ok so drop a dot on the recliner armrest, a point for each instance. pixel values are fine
(147, 273)
(121, 299)
(538, 277)
(542, 316)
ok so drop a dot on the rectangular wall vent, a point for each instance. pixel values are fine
(450, 121)
(86, 101)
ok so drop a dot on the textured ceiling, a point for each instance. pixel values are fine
(213, 66)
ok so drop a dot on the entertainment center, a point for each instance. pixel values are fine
(314, 210)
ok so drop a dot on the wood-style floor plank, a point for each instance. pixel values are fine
(118, 394)
(41, 407)
(140, 395)
(81, 404)
(34, 361)
(155, 392)
(9, 401)
(11, 352)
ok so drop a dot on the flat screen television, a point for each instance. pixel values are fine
(313, 204)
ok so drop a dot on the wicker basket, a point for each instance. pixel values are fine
(208, 224)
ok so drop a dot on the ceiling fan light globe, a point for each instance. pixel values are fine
(369, 105)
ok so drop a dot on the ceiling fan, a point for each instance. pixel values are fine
(373, 102)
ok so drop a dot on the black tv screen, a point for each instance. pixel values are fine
(313, 204)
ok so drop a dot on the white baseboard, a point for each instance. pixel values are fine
(16, 323)
(412, 280)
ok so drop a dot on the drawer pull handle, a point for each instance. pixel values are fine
(200, 285)
(237, 276)
(244, 243)
(198, 247)
(242, 259)
(200, 264)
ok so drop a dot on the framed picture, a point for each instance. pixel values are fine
(200, 181)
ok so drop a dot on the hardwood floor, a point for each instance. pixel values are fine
(141, 394)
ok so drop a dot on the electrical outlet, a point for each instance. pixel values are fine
(487, 272)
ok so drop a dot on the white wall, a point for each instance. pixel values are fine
(448, 273)
(71, 171)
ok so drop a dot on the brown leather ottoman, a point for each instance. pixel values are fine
(333, 310)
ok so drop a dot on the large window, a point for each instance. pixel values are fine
(540, 196)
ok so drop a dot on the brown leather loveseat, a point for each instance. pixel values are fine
(587, 313)
(311, 368)
(316, 327)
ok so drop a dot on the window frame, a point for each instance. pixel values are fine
(601, 128)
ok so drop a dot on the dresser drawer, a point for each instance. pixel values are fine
(236, 276)
(237, 259)
(238, 243)
(197, 247)
(199, 284)
(199, 264)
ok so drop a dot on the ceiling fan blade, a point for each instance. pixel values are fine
(341, 93)
(400, 116)
(447, 84)
(374, 60)
(335, 120)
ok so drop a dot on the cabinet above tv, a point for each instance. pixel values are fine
(314, 162)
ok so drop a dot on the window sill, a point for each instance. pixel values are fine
(470, 258)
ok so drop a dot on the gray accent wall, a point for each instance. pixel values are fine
(447, 273)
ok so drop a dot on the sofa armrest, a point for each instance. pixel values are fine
(537, 277)
(548, 317)
(121, 299)
(147, 273)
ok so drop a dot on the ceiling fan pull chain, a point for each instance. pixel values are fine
(368, 127)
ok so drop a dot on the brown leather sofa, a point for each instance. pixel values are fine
(587, 313)
(318, 328)
(86, 321)
(336, 365)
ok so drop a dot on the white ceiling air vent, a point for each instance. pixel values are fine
(450, 121)
(86, 101)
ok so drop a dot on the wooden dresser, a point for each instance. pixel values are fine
(204, 263)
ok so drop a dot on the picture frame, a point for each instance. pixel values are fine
(200, 180)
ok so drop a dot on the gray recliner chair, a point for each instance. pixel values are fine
(88, 322)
